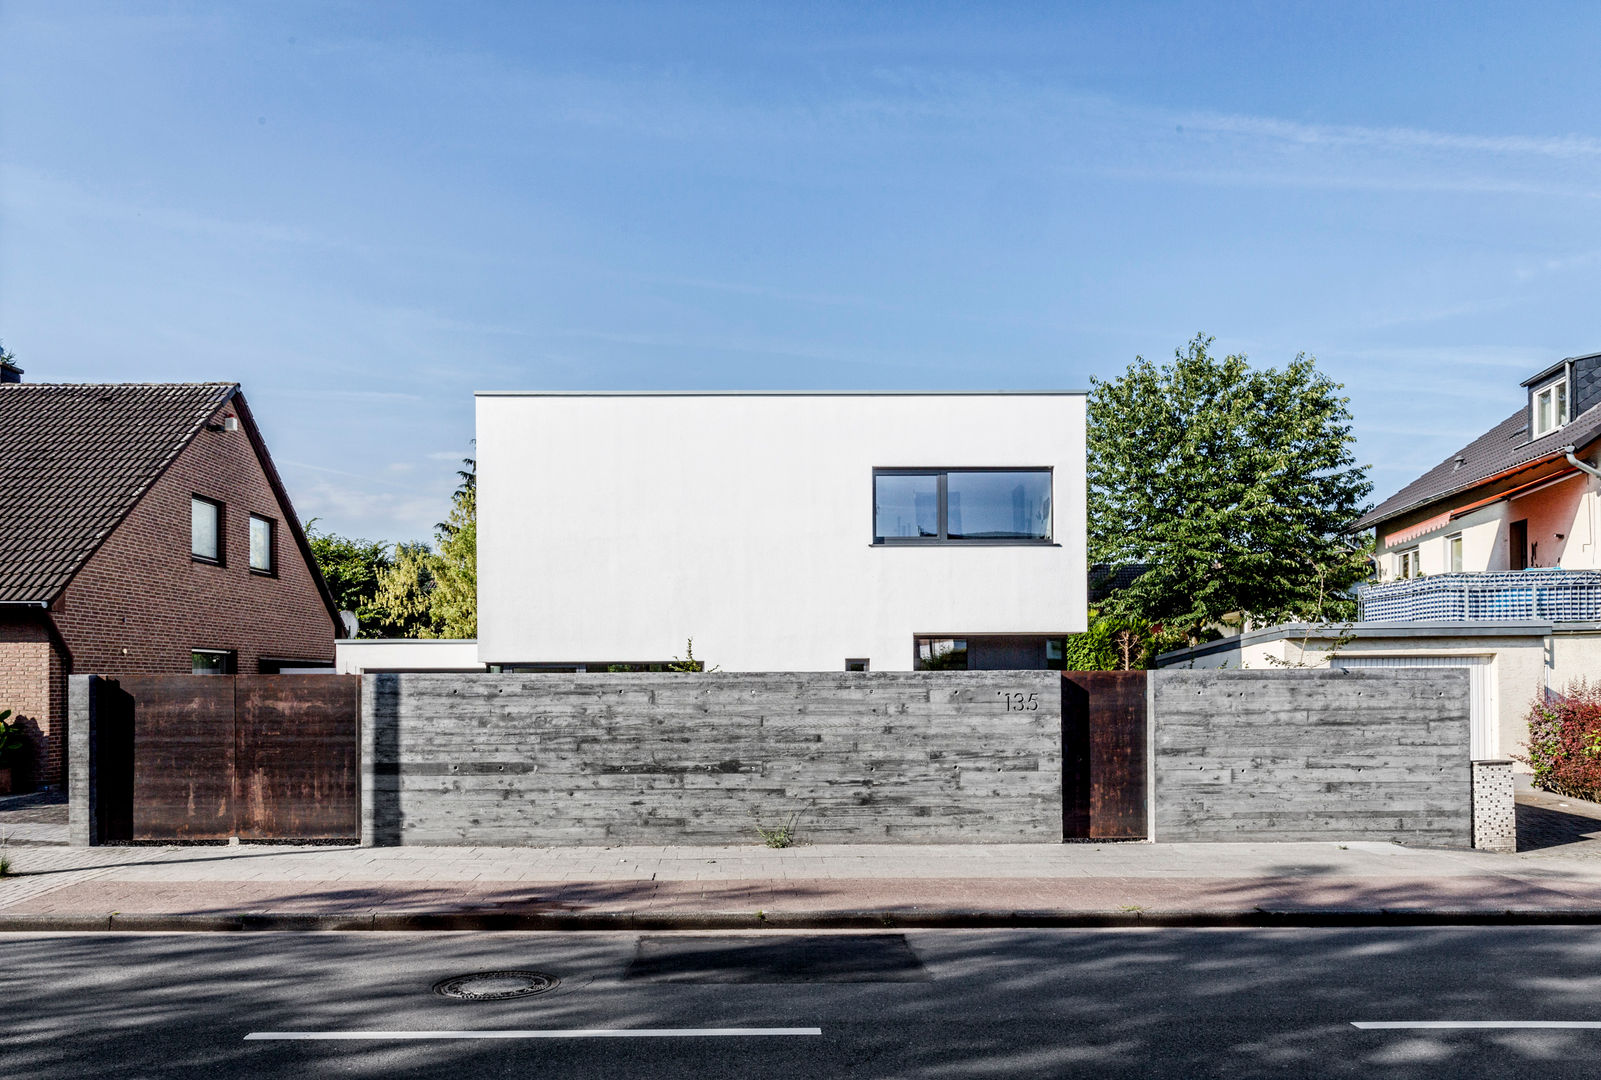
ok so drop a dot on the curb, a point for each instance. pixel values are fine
(867, 919)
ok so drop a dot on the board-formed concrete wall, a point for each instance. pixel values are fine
(669, 759)
(1312, 755)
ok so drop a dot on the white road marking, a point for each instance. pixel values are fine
(1438, 1024)
(553, 1033)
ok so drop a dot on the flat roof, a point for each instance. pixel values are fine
(777, 393)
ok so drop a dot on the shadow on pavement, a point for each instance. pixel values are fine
(1014, 1004)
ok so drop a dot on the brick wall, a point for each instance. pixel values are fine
(593, 759)
(30, 669)
(142, 603)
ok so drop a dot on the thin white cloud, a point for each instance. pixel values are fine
(1566, 147)
(40, 195)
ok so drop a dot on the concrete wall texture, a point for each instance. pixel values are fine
(641, 759)
(1311, 755)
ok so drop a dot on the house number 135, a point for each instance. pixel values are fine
(1020, 702)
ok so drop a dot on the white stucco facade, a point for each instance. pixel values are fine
(357, 656)
(615, 527)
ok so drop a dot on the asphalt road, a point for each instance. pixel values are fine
(1102, 1003)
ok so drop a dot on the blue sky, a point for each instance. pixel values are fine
(365, 212)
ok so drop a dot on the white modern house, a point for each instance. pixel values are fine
(780, 531)
(1490, 561)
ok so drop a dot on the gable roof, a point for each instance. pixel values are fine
(75, 458)
(1502, 449)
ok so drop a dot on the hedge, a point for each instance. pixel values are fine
(1565, 741)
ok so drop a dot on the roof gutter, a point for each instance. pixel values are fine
(25, 603)
(1582, 466)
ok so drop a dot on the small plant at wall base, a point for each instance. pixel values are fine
(1564, 747)
(779, 836)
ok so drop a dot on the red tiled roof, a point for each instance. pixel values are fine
(74, 459)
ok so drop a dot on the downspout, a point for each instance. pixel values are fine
(1577, 463)
(1582, 466)
(1585, 466)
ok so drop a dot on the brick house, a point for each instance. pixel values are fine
(143, 530)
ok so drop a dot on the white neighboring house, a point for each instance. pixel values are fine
(780, 531)
(1489, 561)
(360, 656)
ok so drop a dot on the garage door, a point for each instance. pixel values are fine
(1481, 681)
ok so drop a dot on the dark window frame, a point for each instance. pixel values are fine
(221, 558)
(230, 664)
(942, 478)
(272, 547)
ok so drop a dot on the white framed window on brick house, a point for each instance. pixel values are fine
(1550, 407)
(205, 529)
(263, 536)
(1407, 565)
(1453, 553)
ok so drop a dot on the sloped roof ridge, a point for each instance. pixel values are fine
(1485, 457)
(113, 385)
(84, 489)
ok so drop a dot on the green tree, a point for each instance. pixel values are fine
(1234, 484)
(404, 598)
(351, 567)
(1110, 644)
(453, 604)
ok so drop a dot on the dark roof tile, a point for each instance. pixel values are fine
(1502, 448)
(74, 459)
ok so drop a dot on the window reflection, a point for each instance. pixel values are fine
(998, 505)
(906, 505)
(1012, 505)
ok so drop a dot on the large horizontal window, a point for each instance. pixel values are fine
(961, 505)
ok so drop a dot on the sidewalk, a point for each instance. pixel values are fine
(280, 887)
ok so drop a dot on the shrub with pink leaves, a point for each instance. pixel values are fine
(1565, 741)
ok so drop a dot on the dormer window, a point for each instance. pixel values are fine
(1550, 407)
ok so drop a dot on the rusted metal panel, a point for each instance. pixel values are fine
(183, 754)
(1104, 755)
(295, 775)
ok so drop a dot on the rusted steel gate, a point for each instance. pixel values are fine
(210, 757)
(1103, 755)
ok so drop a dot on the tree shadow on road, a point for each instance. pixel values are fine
(1108, 1003)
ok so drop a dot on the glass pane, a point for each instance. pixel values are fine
(1562, 403)
(260, 544)
(203, 529)
(1456, 554)
(210, 663)
(1543, 406)
(905, 505)
(998, 505)
(941, 654)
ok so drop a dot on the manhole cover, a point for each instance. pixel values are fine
(495, 985)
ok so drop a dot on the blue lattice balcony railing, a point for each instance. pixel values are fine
(1546, 593)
